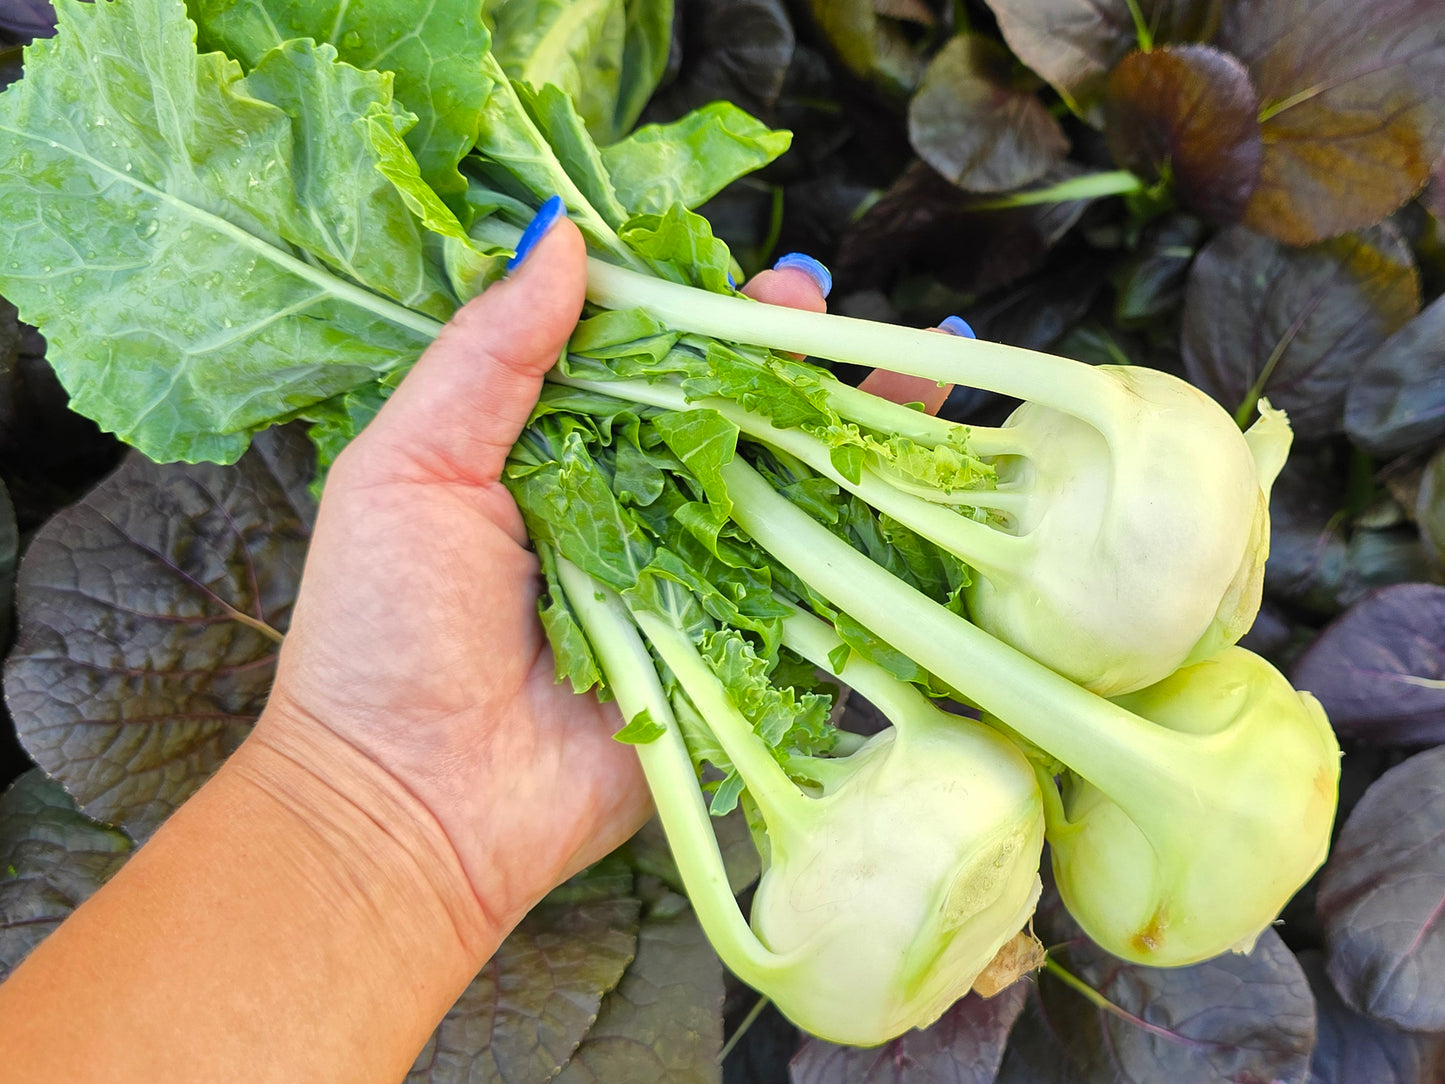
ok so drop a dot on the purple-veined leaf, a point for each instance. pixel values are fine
(662, 1024)
(964, 1046)
(1382, 898)
(1396, 401)
(1352, 108)
(1075, 43)
(928, 223)
(978, 124)
(52, 857)
(525, 1015)
(1243, 1018)
(1352, 1048)
(1262, 319)
(1187, 112)
(1379, 670)
(149, 616)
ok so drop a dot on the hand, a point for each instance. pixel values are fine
(415, 639)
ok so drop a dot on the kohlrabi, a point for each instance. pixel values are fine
(892, 876)
(1192, 809)
(1121, 530)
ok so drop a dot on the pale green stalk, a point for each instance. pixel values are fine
(1100, 741)
(632, 676)
(1069, 386)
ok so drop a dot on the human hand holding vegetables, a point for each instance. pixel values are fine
(417, 782)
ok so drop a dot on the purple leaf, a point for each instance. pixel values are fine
(1382, 898)
(1074, 43)
(1396, 401)
(1294, 325)
(149, 616)
(537, 998)
(1379, 670)
(1352, 1048)
(1245, 1019)
(926, 222)
(1352, 108)
(964, 1046)
(26, 19)
(52, 858)
(1188, 111)
(978, 125)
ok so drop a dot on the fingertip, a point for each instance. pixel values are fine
(790, 287)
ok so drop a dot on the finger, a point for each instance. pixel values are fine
(902, 388)
(795, 282)
(462, 407)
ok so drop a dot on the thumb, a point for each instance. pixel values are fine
(465, 402)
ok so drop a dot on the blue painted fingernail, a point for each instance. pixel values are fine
(810, 267)
(956, 325)
(541, 222)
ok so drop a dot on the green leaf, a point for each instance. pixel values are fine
(641, 729)
(680, 246)
(556, 118)
(980, 124)
(171, 250)
(1352, 108)
(53, 857)
(663, 1023)
(571, 652)
(524, 1016)
(873, 46)
(149, 622)
(606, 55)
(432, 50)
(787, 721)
(645, 51)
(1187, 113)
(704, 441)
(690, 160)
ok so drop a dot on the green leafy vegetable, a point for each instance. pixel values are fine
(177, 178)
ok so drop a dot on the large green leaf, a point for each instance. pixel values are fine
(52, 857)
(432, 49)
(203, 261)
(149, 621)
(690, 160)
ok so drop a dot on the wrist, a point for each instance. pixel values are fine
(377, 840)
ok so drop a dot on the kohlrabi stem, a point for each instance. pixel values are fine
(901, 703)
(632, 676)
(783, 806)
(988, 549)
(1135, 762)
(1070, 387)
(1090, 186)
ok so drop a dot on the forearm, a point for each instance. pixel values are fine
(278, 927)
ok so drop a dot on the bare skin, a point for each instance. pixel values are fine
(417, 782)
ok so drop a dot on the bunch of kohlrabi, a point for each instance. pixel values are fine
(275, 225)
